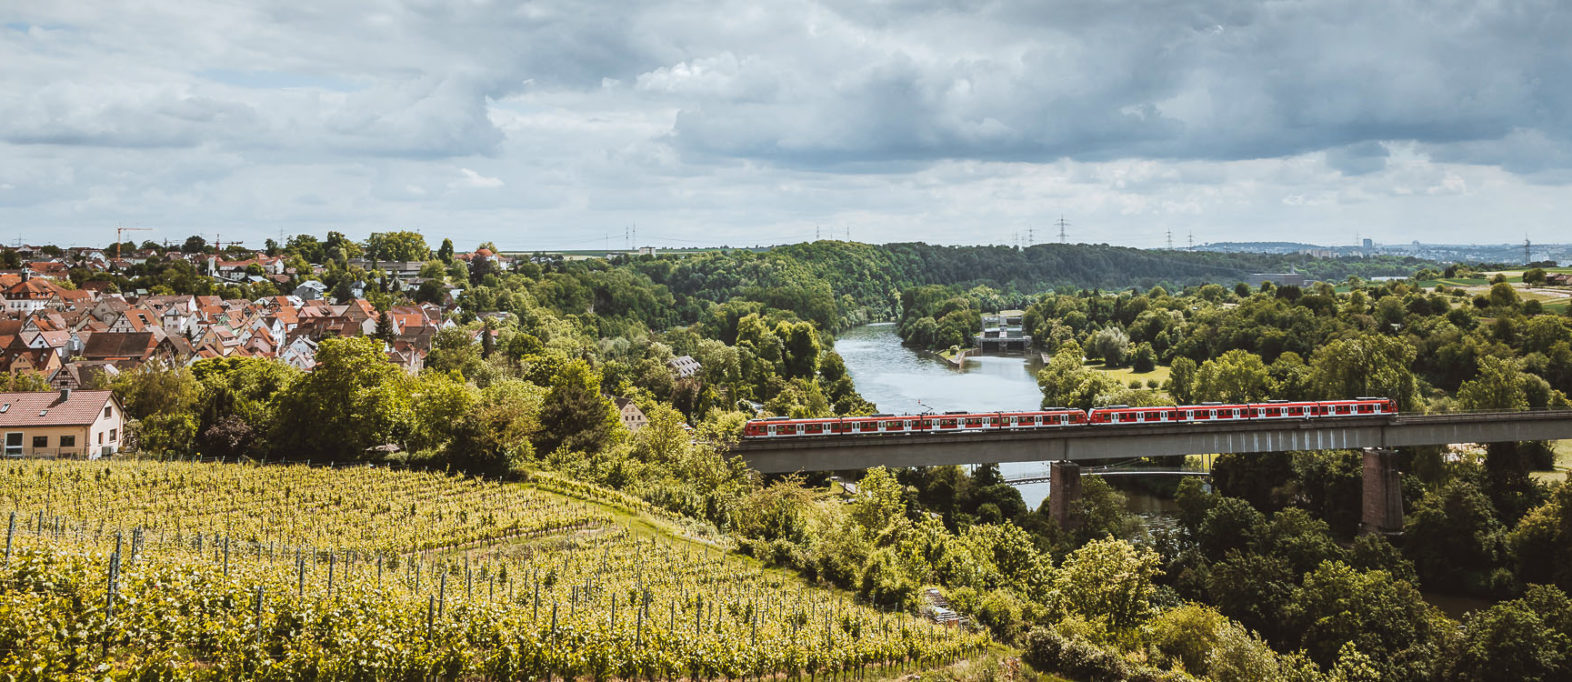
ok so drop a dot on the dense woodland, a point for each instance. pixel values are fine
(1261, 579)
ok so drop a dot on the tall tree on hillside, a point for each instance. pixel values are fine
(445, 252)
(488, 340)
(353, 399)
(575, 415)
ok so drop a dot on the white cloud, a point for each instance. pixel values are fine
(473, 179)
(745, 122)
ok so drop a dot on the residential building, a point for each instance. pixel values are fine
(64, 423)
(632, 417)
(684, 366)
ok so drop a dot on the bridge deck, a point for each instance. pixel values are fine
(1085, 443)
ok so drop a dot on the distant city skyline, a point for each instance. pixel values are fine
(558, 125)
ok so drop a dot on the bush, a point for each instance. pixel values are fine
(1047, 650)
(1144, 359)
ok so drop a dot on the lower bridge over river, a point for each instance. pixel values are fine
(1068, 447)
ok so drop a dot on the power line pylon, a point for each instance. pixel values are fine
(1062, 224)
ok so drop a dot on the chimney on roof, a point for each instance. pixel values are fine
(65, 394)
(27, 274)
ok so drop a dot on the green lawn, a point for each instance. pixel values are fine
(1563, 449)
(1124, 374)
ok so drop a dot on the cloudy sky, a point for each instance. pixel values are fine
(561, 124)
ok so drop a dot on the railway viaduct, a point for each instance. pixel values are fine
(1068, 448)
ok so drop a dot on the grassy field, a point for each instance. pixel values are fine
(1125, 374)
(1563, 450)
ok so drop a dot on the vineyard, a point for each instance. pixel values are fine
(202, 571)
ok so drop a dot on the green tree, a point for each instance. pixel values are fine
(384, 331)
(167, 433)
(1503, 296)
(438, 404)
(1238, 376)
(352, 400)
(495, 436)
(878, 502)
(1110, 344)
(1110, 581)
(1380, 615)
(149, 391)
(454, 350)
(1517, 640)
(1066, 382)
(1541, 544)
(801, 344)
(1366, 365)
(445, 252)
(397, 246)
(575, 416)
(1498, 386)
(1454, 537)
(1144, 359)
(1181, 380)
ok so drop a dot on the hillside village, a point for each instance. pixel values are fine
(73, 335)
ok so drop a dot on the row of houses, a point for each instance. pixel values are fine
(66, 334)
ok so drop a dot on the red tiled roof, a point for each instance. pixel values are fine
(47, 408)
(30, 289)
(112, 345)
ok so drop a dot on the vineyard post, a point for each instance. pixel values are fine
(258, 635)
(226, 556)
(332, 560)
(431, 608)
(442, 594)
(300, 567)
(109, 595)
(8, 533)
(379, 570)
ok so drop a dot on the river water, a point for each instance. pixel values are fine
(900, 380)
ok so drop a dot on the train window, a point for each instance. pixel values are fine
(1151, 415)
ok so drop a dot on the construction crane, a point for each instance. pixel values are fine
(218, 244)
(120, 232)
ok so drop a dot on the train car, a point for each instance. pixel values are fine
(884, 424)
(1220, 412)
(1060, 417)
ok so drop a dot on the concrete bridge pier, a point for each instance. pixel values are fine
(1064, 494)
(1383, 494)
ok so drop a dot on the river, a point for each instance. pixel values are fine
(900, 380)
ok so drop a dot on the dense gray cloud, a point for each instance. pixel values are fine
(746, 122)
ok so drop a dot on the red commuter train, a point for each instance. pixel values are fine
(1056, 418)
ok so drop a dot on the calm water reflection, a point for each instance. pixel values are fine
(898, 379)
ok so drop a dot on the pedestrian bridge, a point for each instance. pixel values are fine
(1094, 443)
